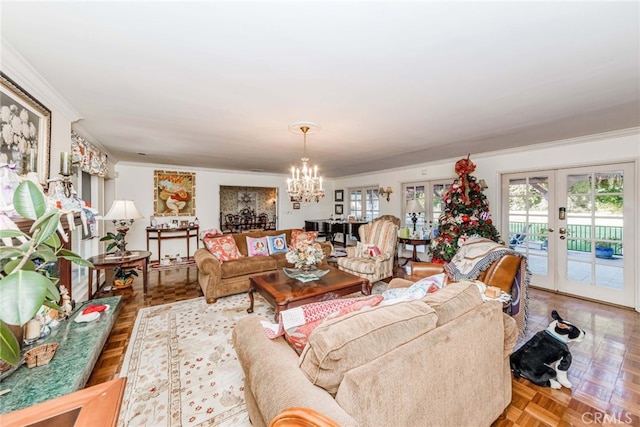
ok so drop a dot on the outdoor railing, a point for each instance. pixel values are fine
(579, 235)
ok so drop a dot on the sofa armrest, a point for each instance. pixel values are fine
(273, 376)
(399, 283)
(425, 269)
(302, 417)
(206, 262)
(510, 334)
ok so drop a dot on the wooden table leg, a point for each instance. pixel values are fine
(144, 275)
(91, 282)
(251, 290)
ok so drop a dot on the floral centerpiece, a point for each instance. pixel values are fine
(305, 254)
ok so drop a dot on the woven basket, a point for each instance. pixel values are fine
(40, 355)
(4, 366)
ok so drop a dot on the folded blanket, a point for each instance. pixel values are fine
(476, 255)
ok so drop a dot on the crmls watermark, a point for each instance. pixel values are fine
(602, 418)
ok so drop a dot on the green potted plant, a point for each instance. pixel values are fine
(122, 277)
(26, 284)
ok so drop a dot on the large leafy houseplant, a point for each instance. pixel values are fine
(26, 284)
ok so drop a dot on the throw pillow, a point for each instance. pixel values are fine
(296, 235)
(298, 322)
(277, 244)
(224, 248)
(298, 336)
(367, 250)
(257, 246)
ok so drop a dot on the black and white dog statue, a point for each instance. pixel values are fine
(545, 358)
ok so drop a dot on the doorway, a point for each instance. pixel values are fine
(577, 228)
(247, 208)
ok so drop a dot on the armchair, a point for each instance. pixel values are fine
(489, 262)
(382, 234)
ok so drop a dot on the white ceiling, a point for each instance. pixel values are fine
(217, 83)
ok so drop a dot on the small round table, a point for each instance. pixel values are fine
(415, 243)
(111, 261)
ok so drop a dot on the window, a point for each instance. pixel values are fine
(364, 203)
(430, 196)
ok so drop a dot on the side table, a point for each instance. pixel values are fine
(159, 234)
(109, 261)
(415, 243)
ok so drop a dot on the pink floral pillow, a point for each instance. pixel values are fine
(310, 236)
(257, 246)
(317, 313)
(224, 248)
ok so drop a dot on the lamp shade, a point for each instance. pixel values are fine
(122, 209)
(414, 206)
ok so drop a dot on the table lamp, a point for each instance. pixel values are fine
(122, 213)
(414, 208)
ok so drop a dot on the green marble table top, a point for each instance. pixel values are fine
(79, 346)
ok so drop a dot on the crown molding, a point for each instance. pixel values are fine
(19, 70)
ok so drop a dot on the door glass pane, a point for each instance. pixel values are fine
(595, 224)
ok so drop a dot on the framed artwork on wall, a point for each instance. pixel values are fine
(296, 205)
(25, 140)
(338, 210)
(174, 193)
(339, 195)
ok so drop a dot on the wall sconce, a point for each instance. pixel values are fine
(388, 192)
(483, 184)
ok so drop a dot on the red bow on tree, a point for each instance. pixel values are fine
(463, 168)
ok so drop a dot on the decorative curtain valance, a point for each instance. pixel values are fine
(88, 156)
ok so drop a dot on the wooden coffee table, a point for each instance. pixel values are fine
(283, 292)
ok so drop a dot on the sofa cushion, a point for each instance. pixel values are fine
(357, 265)
(277, 244)
(257, 246)
(337, 346)
(247, 265)
(454, 300)
(296, 235)
(241, 240)
(224, 247)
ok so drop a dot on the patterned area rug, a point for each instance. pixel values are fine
(181, 367)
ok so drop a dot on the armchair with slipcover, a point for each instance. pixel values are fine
(373, 257)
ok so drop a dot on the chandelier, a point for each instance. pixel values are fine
(305, 185)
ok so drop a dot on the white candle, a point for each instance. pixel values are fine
(32, 329)
(315, 171)
(65, 164)
(293, 172)
(321, 183)
(32, 158)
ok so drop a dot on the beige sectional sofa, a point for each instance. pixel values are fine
(232, 277)
(439, 361)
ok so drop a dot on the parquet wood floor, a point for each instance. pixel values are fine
(605, 372)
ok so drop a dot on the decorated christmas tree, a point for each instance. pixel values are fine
(465, 214)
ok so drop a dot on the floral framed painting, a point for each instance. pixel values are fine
(25, 130)
(174, 193)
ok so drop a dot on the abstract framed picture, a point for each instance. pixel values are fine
(339, 195)
(174, 193)
(338, 210)
(25, 130)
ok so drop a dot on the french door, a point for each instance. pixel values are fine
(576, 227)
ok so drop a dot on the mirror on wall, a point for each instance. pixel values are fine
(247, 208)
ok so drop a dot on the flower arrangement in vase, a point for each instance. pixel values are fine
(305, 254)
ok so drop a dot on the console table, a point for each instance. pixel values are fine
(79, 346)
(159, 234)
